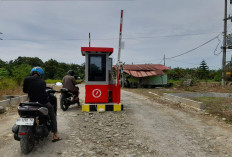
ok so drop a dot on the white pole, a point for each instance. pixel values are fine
(120, 38)
(119, 46)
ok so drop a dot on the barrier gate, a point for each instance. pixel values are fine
(102, 92)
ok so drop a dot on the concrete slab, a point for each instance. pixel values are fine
(5, 103)
(198, 94)
(187, 102)
(14, 101)
(23, 98)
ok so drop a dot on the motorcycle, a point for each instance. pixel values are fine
(68, 98)
(34, 123)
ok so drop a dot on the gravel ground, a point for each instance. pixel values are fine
(144, 128)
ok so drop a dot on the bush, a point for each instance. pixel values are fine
(7, 83)
(20, 72)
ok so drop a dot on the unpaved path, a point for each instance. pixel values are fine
(144, 128)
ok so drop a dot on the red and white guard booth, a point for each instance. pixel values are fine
(102, 93)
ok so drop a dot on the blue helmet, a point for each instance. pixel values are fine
(37, 70)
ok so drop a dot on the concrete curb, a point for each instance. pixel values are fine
(5, 103)
(186, 102)
(199, 94)
(13, 101)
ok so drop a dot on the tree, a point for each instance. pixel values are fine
(3, 72)
(20, 72)
(176, 73)
(2, 63)
(50, 68)
(32, 61)
(203, 71)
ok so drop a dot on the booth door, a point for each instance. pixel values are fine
(96, 93)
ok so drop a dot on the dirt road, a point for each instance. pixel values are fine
(144, 128)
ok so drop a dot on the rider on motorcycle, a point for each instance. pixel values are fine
(35, 86)
(69, 83)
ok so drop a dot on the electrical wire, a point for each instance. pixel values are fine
(67, 0)
(191, 63)
(161, 61)
(217, 47)
(194, 48)
(183, 62)
(125, 38)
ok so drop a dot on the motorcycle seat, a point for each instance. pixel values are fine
(35, 104)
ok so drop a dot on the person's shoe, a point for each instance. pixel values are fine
(57, 139)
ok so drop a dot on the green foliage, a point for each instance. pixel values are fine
(52, 68)
(2, 63)
(20, 72)
(3, 72)
(32, 61)
(7, 83)
(203, 71)
(176, 73)
(217, 75)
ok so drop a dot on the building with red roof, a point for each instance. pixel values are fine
(145, 75)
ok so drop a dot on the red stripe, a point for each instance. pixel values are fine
(97, 49)
(121, 21)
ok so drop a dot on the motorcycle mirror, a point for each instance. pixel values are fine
(58, 84)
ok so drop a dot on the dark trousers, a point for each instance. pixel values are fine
(52, 115)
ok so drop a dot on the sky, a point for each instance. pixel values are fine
(152, 29)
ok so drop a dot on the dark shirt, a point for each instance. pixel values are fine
(36, 89)
(69, 82)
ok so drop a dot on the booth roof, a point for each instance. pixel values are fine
(96, 49)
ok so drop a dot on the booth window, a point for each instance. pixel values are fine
(97, 68)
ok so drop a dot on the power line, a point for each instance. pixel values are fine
(125, 38)
(194, 48)
(191, 63)
(69, 0)
(219, 41)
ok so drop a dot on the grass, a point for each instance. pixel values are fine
(49, 81)
(217, 106)
(9, 86)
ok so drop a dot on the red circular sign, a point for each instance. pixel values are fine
(96, 93)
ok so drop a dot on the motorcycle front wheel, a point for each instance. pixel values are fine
(63, 104)
(27, 142)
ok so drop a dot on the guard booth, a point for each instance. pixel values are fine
(102, 92)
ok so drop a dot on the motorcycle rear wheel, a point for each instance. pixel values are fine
(27, 142)
(63, 105)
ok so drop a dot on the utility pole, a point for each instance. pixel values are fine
(224, 46)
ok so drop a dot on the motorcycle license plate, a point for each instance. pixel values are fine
(25, 121)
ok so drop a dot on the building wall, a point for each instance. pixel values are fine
(148, 81)
(154, 80)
